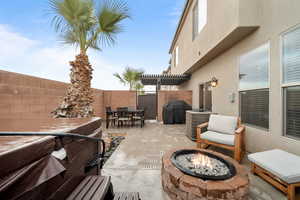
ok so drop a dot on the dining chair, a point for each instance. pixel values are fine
(139, 116)
(110, 116)
(123, 116)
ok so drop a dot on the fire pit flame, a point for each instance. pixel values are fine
(204, 165)
(200, 161)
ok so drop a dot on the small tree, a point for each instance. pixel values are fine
(80, 23)
(131, 77)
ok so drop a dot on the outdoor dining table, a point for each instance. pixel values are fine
(128, 112)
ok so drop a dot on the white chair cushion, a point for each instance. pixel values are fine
(222, 124)
(220, 138)
(284, 165)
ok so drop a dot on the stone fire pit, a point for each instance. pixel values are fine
(182, 185)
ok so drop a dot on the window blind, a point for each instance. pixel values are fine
(292, 111)
(291, 56)
(255, 107)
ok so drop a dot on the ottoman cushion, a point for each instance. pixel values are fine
(282, 164)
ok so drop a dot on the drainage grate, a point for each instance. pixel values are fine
(150, 164)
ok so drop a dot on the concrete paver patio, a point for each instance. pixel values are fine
(136, 164)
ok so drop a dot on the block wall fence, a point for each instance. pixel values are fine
(28, 97)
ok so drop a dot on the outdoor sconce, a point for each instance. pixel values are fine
(214, 82)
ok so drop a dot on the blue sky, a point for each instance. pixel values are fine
(29, 45)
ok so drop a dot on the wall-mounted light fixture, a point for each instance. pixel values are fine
(214, 82)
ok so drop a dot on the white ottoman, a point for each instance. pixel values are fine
(279, 168)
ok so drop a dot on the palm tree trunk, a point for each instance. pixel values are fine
(78, 99)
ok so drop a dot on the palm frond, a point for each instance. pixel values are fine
(138, 86)
(120, 78)
(110, 16)
(80, 24)
(70, 37)
(75, 16)
(131, 77)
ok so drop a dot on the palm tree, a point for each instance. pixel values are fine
(139, 87)
(79, 23)
(131, 77)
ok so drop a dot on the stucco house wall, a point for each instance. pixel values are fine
(274, 17)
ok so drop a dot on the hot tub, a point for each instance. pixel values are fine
(30, 157)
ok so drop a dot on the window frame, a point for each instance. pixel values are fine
(257, 88)
(284, 86)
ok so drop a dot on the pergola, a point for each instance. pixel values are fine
(164, 79)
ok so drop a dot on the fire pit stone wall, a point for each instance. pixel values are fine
(180, 186)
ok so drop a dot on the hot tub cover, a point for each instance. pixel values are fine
(29, 177)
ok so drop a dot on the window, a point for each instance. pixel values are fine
(254, 107)
(254, 87)
(199, 17)
(292, 111)
(195, 20)
(254, 69)
(176, 56)
(291, 57)
(202, 4)
(291, 82)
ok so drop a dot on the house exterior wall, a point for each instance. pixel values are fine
(274, 18)
(223, 17)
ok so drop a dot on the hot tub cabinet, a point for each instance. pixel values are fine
(31, 171)
(194, 118)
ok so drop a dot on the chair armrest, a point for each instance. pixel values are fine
(240, 130)
(199, 130)
(203, 125)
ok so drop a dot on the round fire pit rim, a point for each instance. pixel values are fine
(231, 166)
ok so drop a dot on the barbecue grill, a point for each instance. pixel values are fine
(174, 112)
